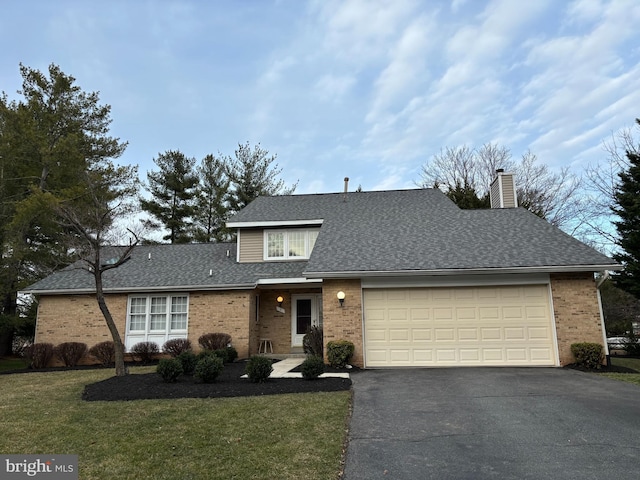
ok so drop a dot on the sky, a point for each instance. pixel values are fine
(366, 89)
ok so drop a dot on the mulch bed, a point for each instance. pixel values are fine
(228, 384)
(602, 369)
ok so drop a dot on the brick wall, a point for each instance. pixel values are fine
(77, 318)
(343, 323)
(222, 312)
(577, 312)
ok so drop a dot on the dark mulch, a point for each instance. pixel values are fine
(228, 384)
(602, 369)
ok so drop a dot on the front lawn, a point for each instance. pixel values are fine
(12, 363)
(277, 436)
(626, 362)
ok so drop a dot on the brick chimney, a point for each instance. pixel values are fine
(503, 190)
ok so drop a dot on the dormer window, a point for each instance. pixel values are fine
(291, 244)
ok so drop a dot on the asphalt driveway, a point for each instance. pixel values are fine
(476, 423)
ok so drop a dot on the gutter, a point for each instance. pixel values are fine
(460, 271)
(182, 288)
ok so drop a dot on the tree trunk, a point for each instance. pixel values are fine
(121, 369)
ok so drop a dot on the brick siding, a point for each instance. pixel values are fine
(577, 312)
(343, 323)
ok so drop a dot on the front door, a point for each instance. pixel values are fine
(306, 312)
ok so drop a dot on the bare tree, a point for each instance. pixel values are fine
(91, 217)
(551, 195)
(601, 183)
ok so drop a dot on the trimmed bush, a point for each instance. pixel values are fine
(144, 351)
(70, 353)
(214, 341)
(188, 360)
(258, 369)
(339, 353)
(169, 369)
(104, 352)
(222, 354)
(232, 354)
(312, 342)
(588, 355)
(312, 367)
(39, 355)
(208, 368)
(176, 346)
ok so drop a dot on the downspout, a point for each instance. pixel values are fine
(599, 283)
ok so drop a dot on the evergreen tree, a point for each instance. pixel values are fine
(466, 197)
(627, 208)
(211, 202)
(253, 174)
(173, 188)
(48, 139)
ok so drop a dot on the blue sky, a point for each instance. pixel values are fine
(364, 89)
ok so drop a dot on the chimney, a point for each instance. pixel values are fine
(346, 184)
(503, 190)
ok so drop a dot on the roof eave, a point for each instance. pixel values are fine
(275, 223)
(182, 288)
(466, 271)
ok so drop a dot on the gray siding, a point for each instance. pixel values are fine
(251, 245)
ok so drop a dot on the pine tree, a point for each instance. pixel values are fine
(173, 188)
(253, 174)
(627, 208)
(212, 205)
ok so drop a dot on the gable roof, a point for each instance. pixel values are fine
(399, 232)
(421, 231)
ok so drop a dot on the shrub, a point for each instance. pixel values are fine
(104, 352)
(588, 355)
(188, 360)
(312, 342)
(145, 351)
(176, 346)
(214, 341)
(208, 368)
(232, 354)
(258, 369)
(222, 354)
(339, 353)
(39, 354)
(312, 367)
(70, 353)
(169, 369)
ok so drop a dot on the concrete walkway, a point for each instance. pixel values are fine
(282, 369)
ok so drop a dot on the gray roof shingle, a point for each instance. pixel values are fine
(363, 233)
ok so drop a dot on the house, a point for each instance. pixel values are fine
(407, 276)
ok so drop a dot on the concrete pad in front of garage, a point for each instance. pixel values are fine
(475, 423)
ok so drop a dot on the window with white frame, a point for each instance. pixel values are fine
(290, 244)
(156, 318)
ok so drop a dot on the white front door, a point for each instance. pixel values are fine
(306, 311)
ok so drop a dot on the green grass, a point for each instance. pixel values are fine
(276, 436)
(11, 364)
(633, 363)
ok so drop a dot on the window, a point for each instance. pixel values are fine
(156, 318)
(289, 244)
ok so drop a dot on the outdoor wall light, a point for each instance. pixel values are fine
(280, 299)
(341, 296)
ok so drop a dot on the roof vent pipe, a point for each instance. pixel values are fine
(346, 184)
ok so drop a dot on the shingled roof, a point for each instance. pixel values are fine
(400, 232)
(421, 230)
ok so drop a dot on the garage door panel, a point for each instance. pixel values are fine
(399, 335)
(458, 326)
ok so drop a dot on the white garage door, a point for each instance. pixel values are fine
(475, 326)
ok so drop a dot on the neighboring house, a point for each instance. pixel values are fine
(424, 283)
